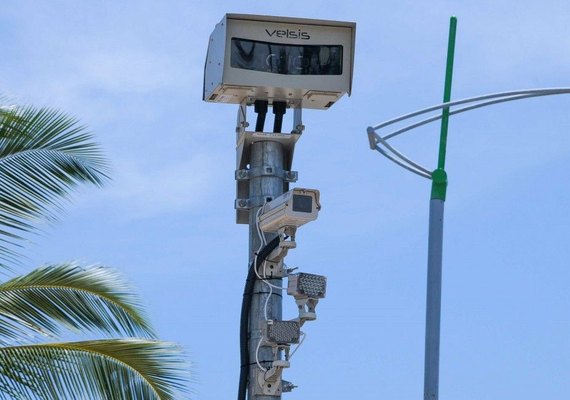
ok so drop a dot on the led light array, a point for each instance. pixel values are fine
(304, 285)
(283, 332)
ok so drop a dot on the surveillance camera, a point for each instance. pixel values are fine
(292, 209)
(279, 58)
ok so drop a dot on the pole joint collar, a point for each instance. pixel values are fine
(439, 184)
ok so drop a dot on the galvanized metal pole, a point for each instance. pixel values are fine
(435, 239)
(266, 183)
(433, 301)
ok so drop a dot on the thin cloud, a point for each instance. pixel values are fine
(146, 192)
(134, 71)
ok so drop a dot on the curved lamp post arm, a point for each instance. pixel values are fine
(529, 92)
(380, 144)
(377, 142)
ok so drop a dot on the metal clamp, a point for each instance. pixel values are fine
(271, 269)
(270, 382)
(290, 176)
(242, 204)
(247, 174)
(242, 174)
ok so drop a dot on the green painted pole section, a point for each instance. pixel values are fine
(439, 177)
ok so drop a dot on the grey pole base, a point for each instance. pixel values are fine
(433, 301)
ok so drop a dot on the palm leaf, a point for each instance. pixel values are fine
(44, 155)
(95, 298)
(127, 369)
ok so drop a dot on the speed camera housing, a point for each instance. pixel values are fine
(292, 209)
(302, 61)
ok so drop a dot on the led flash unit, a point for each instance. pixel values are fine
(304, 285)
(283, 332)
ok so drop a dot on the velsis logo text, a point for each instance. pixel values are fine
(288, 33)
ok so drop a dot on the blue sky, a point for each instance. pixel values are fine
(132, 72)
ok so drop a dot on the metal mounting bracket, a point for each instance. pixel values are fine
(271, 270)
(282, 249)
(270, 382)
(243, 173)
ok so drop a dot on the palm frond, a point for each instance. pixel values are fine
(44, 155)
(94, 298)
(126, 369)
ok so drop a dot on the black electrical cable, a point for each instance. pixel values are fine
(244, 319)
(279, 109)
(260, 107)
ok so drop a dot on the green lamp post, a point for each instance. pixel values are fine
(438, 192)
(435, 239)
